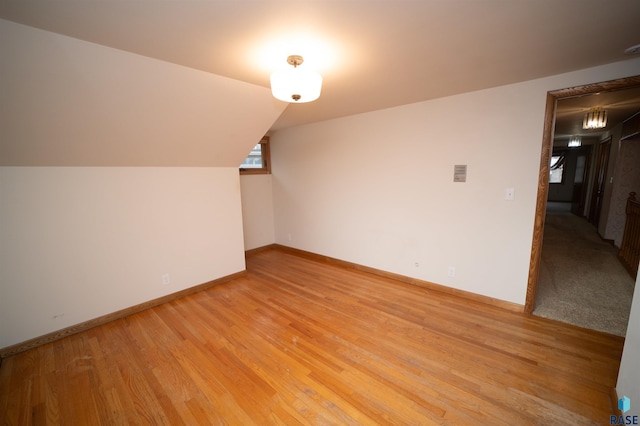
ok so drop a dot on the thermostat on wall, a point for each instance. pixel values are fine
(460, 173)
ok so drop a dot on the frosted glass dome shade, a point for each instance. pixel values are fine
(296, 85)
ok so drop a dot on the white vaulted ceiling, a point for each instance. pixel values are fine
(372, 54)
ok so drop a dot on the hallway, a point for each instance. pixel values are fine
(581, 280)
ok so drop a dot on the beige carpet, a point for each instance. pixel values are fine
(581, 281)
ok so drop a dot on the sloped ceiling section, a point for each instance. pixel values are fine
(67, 102)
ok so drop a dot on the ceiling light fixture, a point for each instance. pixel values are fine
(296, 84)
(574, 142)
(596, 118)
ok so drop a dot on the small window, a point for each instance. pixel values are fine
(556, 169)
(258, 161)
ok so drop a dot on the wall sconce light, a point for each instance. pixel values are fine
(596, 118)
(574, 142)
(296, 84)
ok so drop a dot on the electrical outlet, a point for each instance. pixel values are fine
(452, 271)
(166, 280)
(417, 264)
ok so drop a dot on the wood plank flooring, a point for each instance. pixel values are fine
(301, 342)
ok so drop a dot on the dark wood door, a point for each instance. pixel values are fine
(600, 181)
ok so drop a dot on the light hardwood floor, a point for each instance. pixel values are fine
(302, 342)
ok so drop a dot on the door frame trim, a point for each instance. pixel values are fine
(543, 177)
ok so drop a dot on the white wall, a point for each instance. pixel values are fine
(80, 242)
(85, 242)
(377, 188)
(629, 375)
(257, 210)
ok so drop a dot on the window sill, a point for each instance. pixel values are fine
(254, 172)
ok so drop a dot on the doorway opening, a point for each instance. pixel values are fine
(588, 192)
